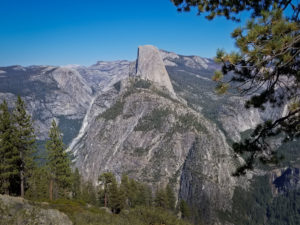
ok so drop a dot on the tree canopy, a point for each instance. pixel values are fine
(265, 69)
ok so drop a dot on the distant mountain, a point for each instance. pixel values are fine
(156, 119)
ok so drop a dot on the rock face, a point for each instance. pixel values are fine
(137, 127)
(159, 140)
(156, 119)
(61, 93)
(150, 66)
(16, 211)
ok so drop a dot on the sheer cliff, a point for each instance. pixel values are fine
(156, 119)
(140, 127)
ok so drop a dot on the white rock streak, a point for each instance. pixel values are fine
(83, 128)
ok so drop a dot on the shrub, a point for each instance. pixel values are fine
(114, 111)
(152, 121)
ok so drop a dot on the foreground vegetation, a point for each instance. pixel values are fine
(82, 214)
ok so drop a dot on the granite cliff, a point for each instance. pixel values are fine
(156, 119)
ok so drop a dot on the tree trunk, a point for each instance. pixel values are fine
(22, 174)
(22, 183)
(6, 190)
(105, 200)
(51, 190)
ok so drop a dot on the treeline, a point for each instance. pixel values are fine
(21, 175)
(131, 193)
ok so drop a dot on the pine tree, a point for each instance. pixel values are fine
(116, 200)
(144, 195)
(171, 197)
(149, 196)
(76, 184)
(106, 179)
(88, 193)
(38, 184)
(9, 156)
(58, 163)
(184, 209)
(132, 193)
(161, 199)
(25, 142)
(124, 188)
(265, 69)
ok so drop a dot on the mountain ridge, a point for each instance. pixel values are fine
(114, 117)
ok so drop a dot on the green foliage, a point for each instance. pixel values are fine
(114, 111)
(135, 193)
(88, 193)
(285, 209)
(222, 88)
(25, 142)
(266, 67)
(165, 198)
(161, 199)
(116, 197)
(217, 76)
(259, 206)
(140, 83)
(184, 210)
(106, 180)
(76, 185)
(80, 214)
(9, 155)
(171, 197)
(231, 9)
(154, 120)
(38, 184)
(58, 163)
(164, 93)
(189, 121)
(140, 151)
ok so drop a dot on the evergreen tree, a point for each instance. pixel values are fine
(76, 184)
(58, 163)
(25, 142)
(9, 156)
(116, 200)
(184, 209)
(106, 179)
(88, 193)
(38, 184)
(171, 197)
(132, 193)
(144, 195)
(265, 67)
(124, 188)
(149, 196)
(161, 199)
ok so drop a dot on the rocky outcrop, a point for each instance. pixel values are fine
(62, 93)
(156, 119)
(150, 66)
(17, 211)
(158, 140)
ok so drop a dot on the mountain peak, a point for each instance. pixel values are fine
(150, 66)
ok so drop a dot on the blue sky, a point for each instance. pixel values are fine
(60, 32)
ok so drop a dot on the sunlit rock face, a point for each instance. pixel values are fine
(156, 119)
(16, 210)
(150, 66)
